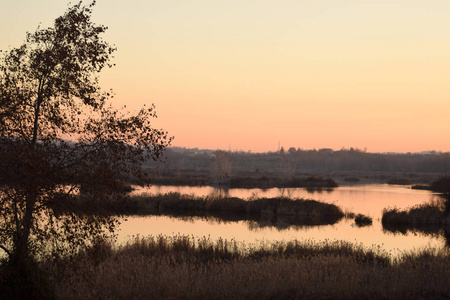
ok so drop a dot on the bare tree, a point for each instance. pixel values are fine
(221, 166)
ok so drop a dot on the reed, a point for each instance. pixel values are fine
(423, 214)
(292, 211)
(182, 267)
(429, 217)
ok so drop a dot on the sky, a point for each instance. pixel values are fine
(253, 75)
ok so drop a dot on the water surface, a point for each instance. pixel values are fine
(367, 199)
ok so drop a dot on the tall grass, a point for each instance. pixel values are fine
(184, 268)
(427, 217)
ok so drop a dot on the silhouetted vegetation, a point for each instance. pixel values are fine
(428, 218)
(182, 180)
(67, 160)
(59, 137)
(362, 220)
(280, 212)
(184, 268)
(399, 181)
(397, 168)
(247, 182)
(352, 179)
(441, 185)
(264, 182)
(28, 282)
(425, 187)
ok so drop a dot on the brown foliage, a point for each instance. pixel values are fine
(183, 268)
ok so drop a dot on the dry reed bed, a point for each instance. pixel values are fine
(295, 211)
(427, 217)
(183, 268)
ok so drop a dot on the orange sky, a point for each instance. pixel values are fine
(248, 75)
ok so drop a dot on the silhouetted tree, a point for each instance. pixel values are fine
(58, 136)
(292, 151)
(442, 185)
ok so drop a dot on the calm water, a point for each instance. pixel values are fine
(367, 199)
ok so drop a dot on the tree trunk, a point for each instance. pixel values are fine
(21, 242)
(36, 119)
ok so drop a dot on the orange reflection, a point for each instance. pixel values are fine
(366, 199)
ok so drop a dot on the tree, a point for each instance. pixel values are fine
(60, 140)
(221, 166)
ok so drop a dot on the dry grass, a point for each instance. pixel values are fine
(281, 212)
(292, 211)
(183, 268)
(428, 217)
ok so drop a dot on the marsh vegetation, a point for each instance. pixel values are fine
(366, 200)
(362, 220)
(182, 267)
(433, 216)
(428, 218)
(68, 159)
(246, 181)
(280, 210)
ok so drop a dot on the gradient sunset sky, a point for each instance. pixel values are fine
(248, 75)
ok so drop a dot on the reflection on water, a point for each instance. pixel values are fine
(253, 222)
(366, 199)
(369, 200)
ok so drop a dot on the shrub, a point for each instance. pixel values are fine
(441, 185)
(428, 217)
(362, 220)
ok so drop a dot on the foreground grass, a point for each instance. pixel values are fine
(183, 268)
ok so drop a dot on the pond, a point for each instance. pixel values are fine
(366, 199)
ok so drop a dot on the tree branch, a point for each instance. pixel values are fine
(6, 250)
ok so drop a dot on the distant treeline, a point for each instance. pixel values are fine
(322, 161)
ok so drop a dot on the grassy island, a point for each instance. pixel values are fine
(279, 211)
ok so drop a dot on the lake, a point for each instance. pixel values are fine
(366, 199)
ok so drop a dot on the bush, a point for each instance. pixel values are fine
(428, 217)
(362, 220)
(441, 185)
